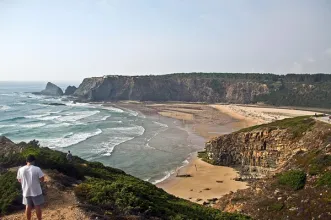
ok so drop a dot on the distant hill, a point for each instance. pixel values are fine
(309, 90)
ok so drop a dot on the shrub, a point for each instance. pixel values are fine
(10, 191)
(130, 196)
(324, 180)
(319, 163)
(276, 206)
(294, 179)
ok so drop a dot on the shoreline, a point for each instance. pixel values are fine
(207, 182)
(217, 180)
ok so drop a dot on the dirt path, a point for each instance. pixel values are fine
(59, 204)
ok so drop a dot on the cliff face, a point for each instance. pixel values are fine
(164, 88)
(292, 159)
(296, 90)
(264, 148)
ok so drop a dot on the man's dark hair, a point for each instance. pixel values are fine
(69, 151)
(30, 158)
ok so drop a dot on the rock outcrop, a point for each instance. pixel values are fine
(291, 90)
(262, 149)
(70, 90)
(51, 90)
(296, 155)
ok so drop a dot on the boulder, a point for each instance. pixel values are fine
(51, 90)
(70, 90)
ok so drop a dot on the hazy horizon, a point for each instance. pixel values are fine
(71, 40)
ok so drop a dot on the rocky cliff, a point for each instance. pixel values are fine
(261, 148)
(51, 90)
(288, 164)
(296, 90)
(169, 88)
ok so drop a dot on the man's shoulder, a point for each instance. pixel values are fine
(22, 168)
(36, 167)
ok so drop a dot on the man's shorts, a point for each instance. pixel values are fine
(33, 200)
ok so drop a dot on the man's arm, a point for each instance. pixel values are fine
(19, 178)
(42, 179)
(41, 176)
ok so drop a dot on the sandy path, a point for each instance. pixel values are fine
(58, 205)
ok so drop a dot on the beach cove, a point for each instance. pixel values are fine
(204, 182)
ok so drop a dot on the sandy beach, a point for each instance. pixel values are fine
(207, 182)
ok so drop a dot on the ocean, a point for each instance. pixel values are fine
(150, 148)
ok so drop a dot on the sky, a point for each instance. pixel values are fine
(73, 39)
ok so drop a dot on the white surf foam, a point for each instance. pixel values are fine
(148, 146)
(167, 175)
(8, 126)
(37, 116)
(106, 148)
(33, 125)
(4, 107)
(76, 116)
(105, 118)
(8, 94)
(112, 109)
(136, 130)
(160, 124)
(69, 139)
(80, 104)
(57, 125)
(50, 118)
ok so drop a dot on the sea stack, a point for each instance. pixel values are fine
(70, 90)
(52, 90)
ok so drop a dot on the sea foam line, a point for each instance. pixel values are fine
(69, 139)
(4, 107)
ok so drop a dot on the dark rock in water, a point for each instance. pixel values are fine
(70, 90)
(55, 104)
(51, 89)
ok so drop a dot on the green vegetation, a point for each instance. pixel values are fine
(203, 155)
(294, 179)
(325, 180)
(276, 206)
(319, 164)
(130, 196)
(296, 126)
(105, 191)
(10, 191)
(315, 161)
